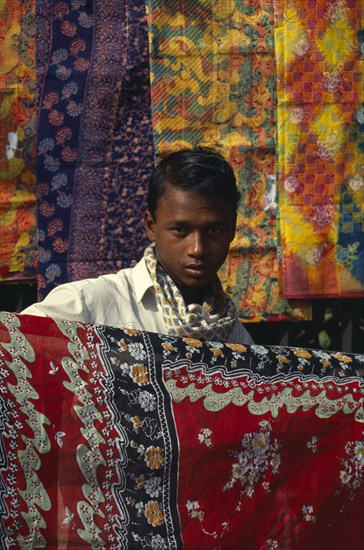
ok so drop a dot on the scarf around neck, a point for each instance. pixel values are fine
(213, 320)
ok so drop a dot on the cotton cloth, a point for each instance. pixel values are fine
(213, 320)
(320, 121)
(213, 83)
(95, 149)
(127, 440)
(17, 142)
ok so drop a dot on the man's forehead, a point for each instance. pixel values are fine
(177, 198)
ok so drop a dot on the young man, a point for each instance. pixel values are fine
(174, 289)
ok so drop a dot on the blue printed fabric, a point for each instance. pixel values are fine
(95, 147)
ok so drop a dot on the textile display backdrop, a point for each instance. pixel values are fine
(17, 141)
(123, 439)
(213, 80)
(320, 60)
(95, 149)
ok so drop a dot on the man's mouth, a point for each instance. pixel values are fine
(196, 269)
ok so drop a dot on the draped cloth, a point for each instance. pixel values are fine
(95, 150)
(124, 439)
(17, 141)
(213, 83)
(320, 127)
(213, 319)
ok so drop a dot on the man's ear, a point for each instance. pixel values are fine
(149, 225)
(235, 216)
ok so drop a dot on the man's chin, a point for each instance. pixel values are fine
(194, 283)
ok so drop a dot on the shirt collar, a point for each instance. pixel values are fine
(141, 279)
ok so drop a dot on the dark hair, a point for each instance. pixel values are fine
(200, 170)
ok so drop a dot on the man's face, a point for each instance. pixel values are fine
(192, 235)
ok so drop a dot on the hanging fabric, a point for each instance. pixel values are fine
(17, 142)
(95, 149)
(320, 129)
(213, 84)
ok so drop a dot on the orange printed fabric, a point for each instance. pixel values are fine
(213, 81)
(319, 58)
(17, 140)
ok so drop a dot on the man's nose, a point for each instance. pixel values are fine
(196, 245)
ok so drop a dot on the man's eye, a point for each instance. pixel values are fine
(215, 230)
(179, 230)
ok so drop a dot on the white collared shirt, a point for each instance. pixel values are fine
(125, 299)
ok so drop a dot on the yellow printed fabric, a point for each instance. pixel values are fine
(319, 59)
(17, 141)
(213, 84)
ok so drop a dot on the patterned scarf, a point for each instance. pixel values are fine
(214, 320)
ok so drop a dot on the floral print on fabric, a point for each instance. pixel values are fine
(213, 84)
(258, 454)
(320, 123)
(95, 150)
(259, 461)
(126, 439)
(62, 76)
(17, 141)
(113, 447)
(352, 474)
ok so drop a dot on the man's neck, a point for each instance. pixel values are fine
(192, 295)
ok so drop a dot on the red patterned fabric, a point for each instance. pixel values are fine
(120, 439)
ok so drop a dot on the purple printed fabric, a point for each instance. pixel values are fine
(95, 146)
